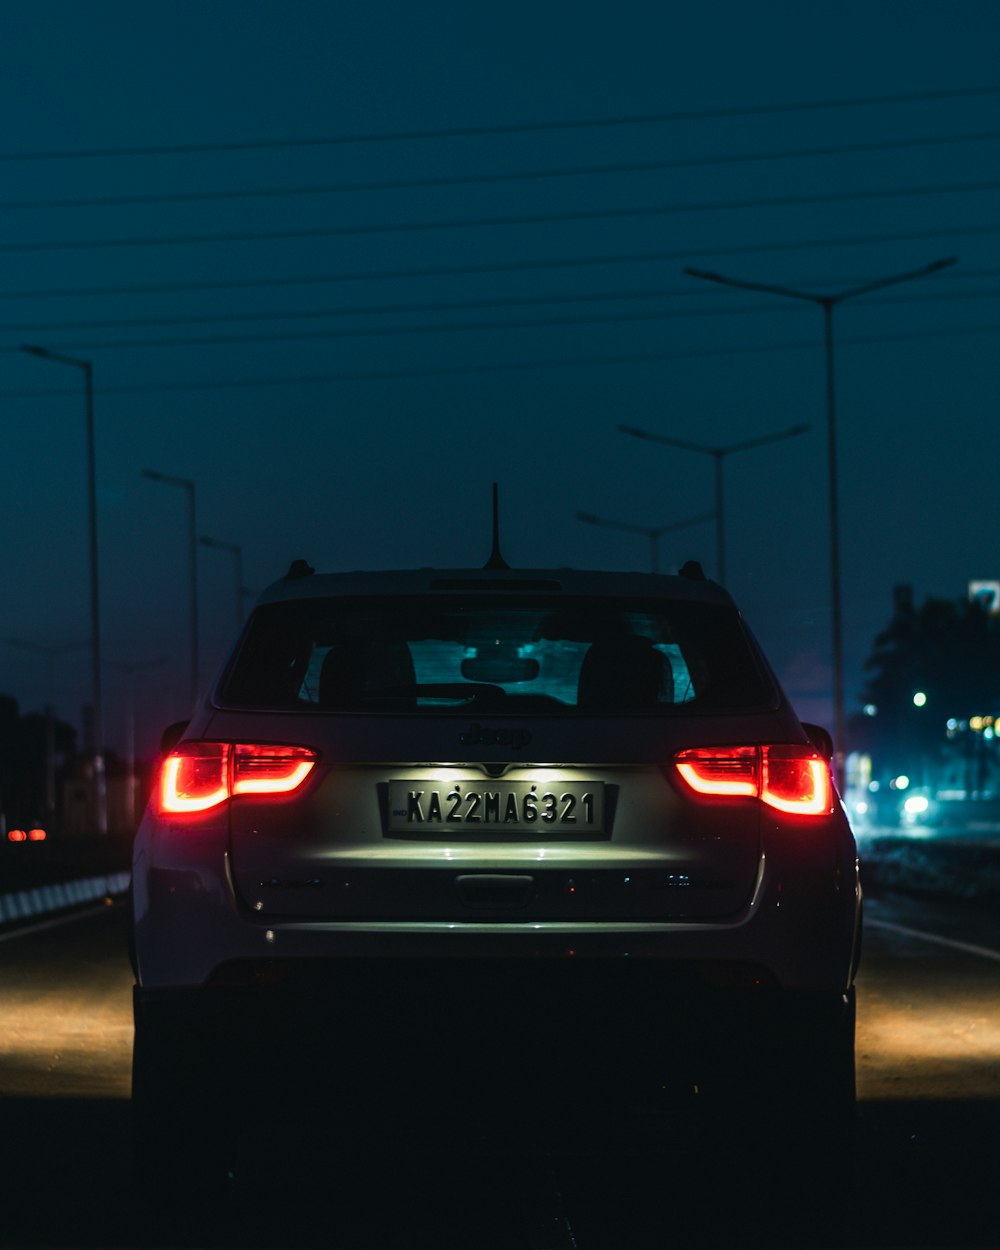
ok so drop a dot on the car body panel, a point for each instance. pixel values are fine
(669, 877)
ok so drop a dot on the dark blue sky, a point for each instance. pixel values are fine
(369, 405)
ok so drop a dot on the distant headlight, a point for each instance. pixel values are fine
(915, 805)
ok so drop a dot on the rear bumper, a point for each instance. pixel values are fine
(800, 926)
(805, 939)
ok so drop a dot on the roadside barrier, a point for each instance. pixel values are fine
(40, 900)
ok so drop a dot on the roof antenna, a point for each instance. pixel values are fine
(496, 560)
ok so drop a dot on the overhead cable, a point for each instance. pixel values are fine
(496, 367)
(466, 223)
(577, 171)
(457, 132)
(463, 327)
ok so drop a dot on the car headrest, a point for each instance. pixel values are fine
(356, 667)
(624, 673)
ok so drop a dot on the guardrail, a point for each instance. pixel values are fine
(43, 900)
(42, 878)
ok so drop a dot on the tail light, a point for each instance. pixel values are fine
(790, 778)
(198, 776)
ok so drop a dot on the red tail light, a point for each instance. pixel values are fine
(270, 770)
(710, 770)
(16, 835)
(789, 778)
(37, 835)
(195, 777)
(796, 779)
(198, 776)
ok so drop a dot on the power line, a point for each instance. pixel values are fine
(348, 310)
(685, 254)
(404, 184)
(434, 306)
(390, 375)
(465, 223)
(457, 132)
(375, 275)
(518, 323)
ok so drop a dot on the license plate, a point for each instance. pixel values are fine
(472, 806)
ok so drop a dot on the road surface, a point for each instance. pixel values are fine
(929, 1115)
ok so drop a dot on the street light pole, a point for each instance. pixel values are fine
(652, 532)
(828, 303)
(100, 782)
(237, 554)
(719, 454)
(189, 486)
(131, 670)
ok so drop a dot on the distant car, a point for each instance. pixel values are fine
(552, 835)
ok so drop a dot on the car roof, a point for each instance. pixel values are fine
(302, 583)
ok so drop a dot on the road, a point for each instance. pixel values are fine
(929, 1115)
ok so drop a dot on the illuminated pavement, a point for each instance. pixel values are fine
(67, 1010)
(928, 1078)
(932, 1029)
(928, 1019)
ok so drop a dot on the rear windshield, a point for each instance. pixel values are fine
(419, 655)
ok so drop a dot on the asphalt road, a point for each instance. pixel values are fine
(929, 1118)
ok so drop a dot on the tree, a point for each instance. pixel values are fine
(25, 744)
(947, 654)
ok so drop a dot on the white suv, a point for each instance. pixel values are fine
(542, 832)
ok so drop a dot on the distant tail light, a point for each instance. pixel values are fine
(790, 778)
(198, 776)
(26, 835)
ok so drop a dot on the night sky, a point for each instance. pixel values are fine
(343, 265)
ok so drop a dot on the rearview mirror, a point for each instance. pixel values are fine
(499, 669)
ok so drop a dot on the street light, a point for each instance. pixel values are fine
(828, 303)
(188, 486)
(652, 532)
(100, 787)
(237, 554)
(719, 454)
(130, 670)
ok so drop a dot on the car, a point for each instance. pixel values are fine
(539, 842)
